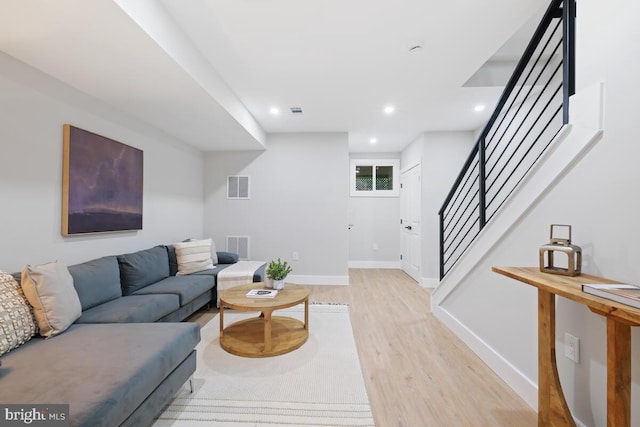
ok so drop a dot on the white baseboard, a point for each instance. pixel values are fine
(429, 282)
(303, 279)
(515, 379)
(375, 264)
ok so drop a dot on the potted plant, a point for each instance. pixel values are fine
(278, 271)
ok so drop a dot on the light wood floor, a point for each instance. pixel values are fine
(416, 371)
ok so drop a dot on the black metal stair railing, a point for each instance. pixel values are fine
(532, 109)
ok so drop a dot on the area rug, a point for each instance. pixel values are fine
(319, 384)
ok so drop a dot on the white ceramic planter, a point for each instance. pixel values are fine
(268, 282)
(278, 284)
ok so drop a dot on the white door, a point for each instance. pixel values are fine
(410, 191)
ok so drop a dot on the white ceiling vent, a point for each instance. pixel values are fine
(296, 110)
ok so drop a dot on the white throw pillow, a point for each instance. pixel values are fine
(49, 289)
(193, 256)
(17, 324)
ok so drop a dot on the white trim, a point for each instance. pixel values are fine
(411, 166)
(394, 163)
(526, 389)
(303, 279)
(429, 282)
(375, 264)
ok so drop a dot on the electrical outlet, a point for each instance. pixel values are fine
(572, 347)
(375, 246)
(296, 256)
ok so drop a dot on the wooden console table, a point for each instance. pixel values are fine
(552, 407)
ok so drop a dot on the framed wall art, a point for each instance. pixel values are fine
(101, 184)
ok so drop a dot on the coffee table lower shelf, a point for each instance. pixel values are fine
(247, 337)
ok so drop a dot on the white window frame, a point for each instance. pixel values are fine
(394, 163)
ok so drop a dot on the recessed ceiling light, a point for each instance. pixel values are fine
(274, 110)
(389, 109)
(479, 108)
(373, 140)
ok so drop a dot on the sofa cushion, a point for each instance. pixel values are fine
(143, 268)
(104, 371)
(132, 309)
(193, 256)
(17, 324)
(187, 288)
(49, 289)
(96, 281)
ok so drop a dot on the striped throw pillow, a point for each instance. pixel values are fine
(193, 256)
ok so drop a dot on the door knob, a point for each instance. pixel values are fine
(408, 227)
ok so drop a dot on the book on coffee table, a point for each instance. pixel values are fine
(262, 293)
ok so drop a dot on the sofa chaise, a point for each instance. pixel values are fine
(125, 356)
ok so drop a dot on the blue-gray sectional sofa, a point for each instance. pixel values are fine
(121, 362)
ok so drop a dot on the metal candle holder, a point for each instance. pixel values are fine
(573, 252)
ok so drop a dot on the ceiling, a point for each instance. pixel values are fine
(209, 71)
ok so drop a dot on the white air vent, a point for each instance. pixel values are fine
(296, 110)
(239, 245)
(237, 187)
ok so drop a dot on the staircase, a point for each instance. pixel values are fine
(531, 113)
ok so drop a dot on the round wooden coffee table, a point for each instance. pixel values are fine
(265, 335)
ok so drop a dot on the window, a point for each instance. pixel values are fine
(375, 178)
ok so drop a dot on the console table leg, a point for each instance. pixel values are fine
(552, 407)
(618, 374)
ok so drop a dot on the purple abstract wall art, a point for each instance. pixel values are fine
(102, 184)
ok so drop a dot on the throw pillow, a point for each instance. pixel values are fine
(227, 257)
(193, 256)
(49, 289)
(17, 324)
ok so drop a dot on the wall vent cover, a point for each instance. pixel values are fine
(239, 245)
(237, 187)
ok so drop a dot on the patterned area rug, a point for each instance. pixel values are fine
(319, 384)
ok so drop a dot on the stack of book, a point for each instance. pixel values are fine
(622, 293)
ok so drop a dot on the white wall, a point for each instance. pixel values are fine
(375, 221)
(598, 197)
(441, 155)
(299, 195)
(33, 109)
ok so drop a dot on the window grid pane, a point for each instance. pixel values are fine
(384, 177)
(364, 178)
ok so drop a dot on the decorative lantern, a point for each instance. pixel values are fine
(556, 244)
